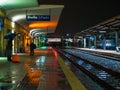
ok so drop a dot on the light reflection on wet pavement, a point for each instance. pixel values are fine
(12, 73)
(52, 77)
(41, 71)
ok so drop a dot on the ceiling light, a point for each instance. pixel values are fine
(10, 4)
(3, 2)
(18, 17)
(42, 24)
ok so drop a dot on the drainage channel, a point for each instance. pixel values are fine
(30, 81)
(32, 78)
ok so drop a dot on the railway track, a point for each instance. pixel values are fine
(107, 78)
(105, 61)
(100, 55)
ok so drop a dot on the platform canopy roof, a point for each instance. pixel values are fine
(17, 10)
(110, 25)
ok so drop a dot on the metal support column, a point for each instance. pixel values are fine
(95, 41)
(84, 42)
(116, 38)
(89, 42)
(104, 42)
(116, 41)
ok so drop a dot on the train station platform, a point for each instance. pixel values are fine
(45, 70)
(111, 53)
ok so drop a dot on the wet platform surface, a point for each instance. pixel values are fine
(39, 72)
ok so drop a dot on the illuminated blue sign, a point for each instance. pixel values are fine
(38, 17)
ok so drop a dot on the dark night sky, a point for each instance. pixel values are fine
(79, 15)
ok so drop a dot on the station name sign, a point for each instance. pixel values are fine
(38, 17)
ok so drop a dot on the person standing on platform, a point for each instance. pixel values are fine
(9, 36)
(9, 49)
(32, 47)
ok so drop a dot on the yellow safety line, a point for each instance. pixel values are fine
(72, 79)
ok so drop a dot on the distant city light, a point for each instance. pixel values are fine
(67, 34)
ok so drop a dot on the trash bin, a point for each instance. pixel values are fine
(15, 58)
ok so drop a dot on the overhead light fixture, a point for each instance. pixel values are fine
(32, 30)
(38, 33)
(102, 31)
(42, 24)
(88, 35)
(18, 17)
(3, 2)
(10, 4)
